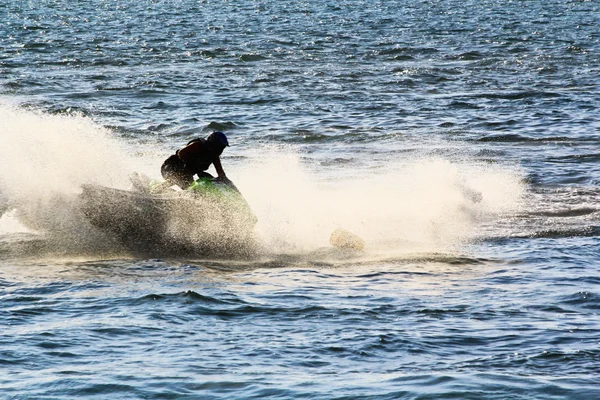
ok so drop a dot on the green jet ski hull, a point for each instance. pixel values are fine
(210, 218)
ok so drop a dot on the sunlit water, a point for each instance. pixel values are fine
(458, 139)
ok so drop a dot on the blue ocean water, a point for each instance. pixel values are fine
(457, 138)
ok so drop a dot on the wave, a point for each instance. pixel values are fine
(582, 300)
(518, 95)
(565, 213)
(575, 158)
(556, 233)
(517, 138)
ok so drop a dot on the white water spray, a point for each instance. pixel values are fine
(44, 160)
(421, 204)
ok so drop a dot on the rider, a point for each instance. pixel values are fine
(195, 158)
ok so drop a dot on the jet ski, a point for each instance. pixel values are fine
(210, 217)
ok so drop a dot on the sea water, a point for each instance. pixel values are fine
(457, 139)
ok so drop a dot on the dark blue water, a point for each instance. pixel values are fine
(459, 139)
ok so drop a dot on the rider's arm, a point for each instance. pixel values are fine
(219, 168)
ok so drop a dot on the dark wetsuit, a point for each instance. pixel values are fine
(195, 158)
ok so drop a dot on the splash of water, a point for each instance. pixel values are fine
(423, 204)
(44, 160)
(420, 204)
(44, 153)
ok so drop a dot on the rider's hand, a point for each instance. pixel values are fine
(223, 178)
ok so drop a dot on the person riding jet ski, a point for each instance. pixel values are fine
(194, 159)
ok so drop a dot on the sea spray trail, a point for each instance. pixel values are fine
(429, 204)
(44, 161)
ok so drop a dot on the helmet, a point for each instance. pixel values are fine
(218, 138)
